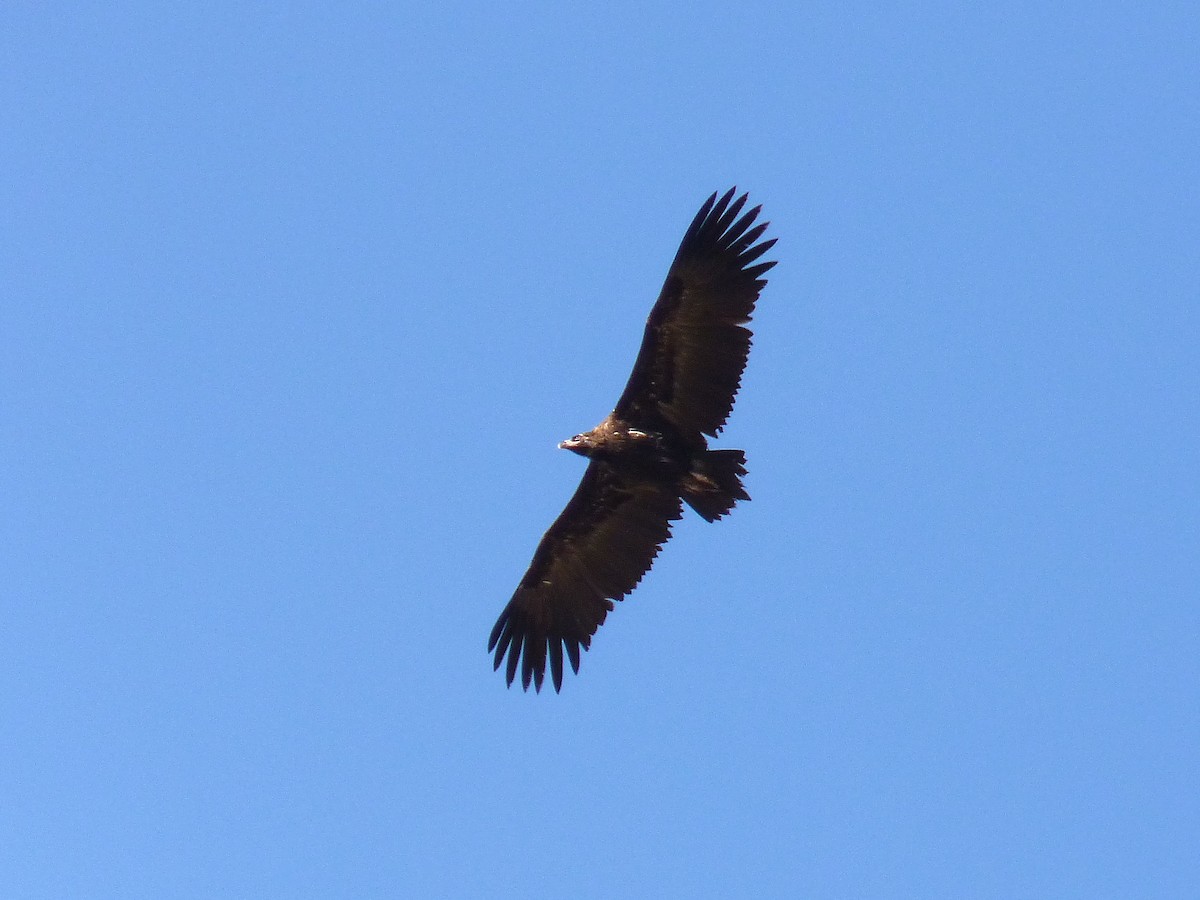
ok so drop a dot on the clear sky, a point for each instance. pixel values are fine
(296, 300)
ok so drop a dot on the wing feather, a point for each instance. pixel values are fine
(695, 345)
(596, 552)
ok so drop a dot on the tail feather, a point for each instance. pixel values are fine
(714, 484)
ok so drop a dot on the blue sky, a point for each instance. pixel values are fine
(297, 302)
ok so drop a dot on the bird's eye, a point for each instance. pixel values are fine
(578, 437)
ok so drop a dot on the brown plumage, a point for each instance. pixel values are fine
(650, 455)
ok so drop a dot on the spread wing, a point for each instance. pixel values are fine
(596, 552)
(694, 350)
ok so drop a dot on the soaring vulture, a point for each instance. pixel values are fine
(650, 455)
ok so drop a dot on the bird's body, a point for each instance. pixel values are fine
(650, 455)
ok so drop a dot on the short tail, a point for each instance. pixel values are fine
(714, 483)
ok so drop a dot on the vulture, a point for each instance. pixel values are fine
(651, 454)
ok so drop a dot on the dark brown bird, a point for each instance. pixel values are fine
(650, 455)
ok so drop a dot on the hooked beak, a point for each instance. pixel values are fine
(570, 444)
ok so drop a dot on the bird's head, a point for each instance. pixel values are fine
(581, 444)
